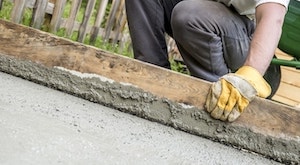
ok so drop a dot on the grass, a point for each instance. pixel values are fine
(6, 10)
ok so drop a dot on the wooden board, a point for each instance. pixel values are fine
(289, 89)
(265, 117)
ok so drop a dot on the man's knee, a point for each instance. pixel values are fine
(180, 17)
(193, 12)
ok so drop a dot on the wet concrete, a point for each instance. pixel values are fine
(39, 125)
(132, 100)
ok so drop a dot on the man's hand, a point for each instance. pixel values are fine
(229, 96)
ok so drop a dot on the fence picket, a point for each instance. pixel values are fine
(122, 34)
(18, 10)
(99, 19)
(57, 15)
(111, 19)
(87, 16)
(1, 2)
(118, 22)
(38, 14)
(72, 17)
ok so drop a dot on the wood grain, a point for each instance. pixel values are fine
(289, 89)
(263, 116)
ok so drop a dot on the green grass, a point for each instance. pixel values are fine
(6, 10)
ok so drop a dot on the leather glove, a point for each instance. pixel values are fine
(229, 96)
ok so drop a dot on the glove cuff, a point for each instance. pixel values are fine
(252, 76)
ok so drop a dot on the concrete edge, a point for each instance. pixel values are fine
(131, 99)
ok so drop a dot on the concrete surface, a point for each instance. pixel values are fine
(39, 125)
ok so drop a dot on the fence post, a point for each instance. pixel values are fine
(100, 15)
(18, 10)
(38, 13)
(72, 17)
(111, 19)
(85, 23)
(1, 1)
(57, 15)
(120, 22)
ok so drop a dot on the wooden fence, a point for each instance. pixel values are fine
(102, 18)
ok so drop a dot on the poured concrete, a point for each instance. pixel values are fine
(39, 125)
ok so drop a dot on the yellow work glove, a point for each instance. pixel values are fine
(229, 96)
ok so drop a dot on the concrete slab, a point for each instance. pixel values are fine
(39, 125)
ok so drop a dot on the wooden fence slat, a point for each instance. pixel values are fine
(39, 13)
(120, 37)
(111, 19)
(125, 42)
(57, 15)
(72, 17)
(284, 90)
(18, 10)
(1, 2)
(87, 16)
(118, 22)
(99, 19)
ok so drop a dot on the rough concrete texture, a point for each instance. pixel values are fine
(135, 101)
(39, 125)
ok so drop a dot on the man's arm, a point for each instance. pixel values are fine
(230, 96)
(269, 18)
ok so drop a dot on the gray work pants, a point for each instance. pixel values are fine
(149, 21)
(212, 38)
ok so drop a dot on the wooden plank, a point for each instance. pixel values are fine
(271, 120)
(111, 19)
(291, 76)
(99, 18)
(86, 19)
(285, 100)
(57, 15)
(120, 22)
(289, 91)
(17, 11)
(1, 2)
(72, 17)
(121, 37)
(38, 14)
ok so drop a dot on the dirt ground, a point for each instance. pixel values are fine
(39, 125)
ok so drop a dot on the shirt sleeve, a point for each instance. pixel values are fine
(282, 2)
(247, 7)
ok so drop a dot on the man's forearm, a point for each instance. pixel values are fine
(269, 17)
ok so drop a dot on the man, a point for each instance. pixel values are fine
(228, 42)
